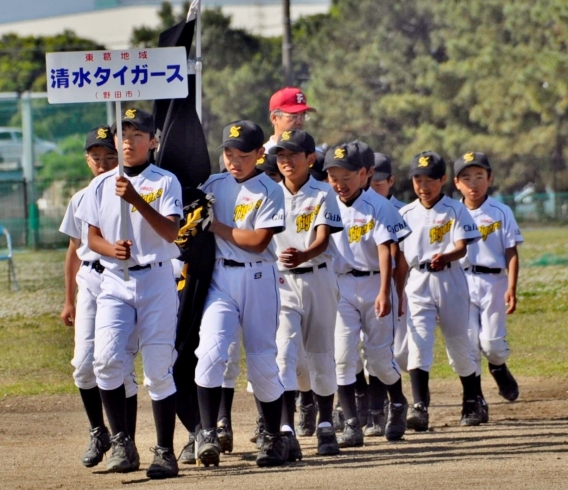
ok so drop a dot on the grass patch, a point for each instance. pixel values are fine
(36, 348)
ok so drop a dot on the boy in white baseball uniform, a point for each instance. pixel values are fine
(363, 263)
(491, 270)
(436, 286)
(148, 301)
(83, 275)
(312, 215)
(248, 211)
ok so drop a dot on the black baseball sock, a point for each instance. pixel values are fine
(272, 412)
(288, 408)
(131, 414)
(187, 405)
(478, 386)
(377, 394)
(306, 397)
(209, 402)
(165, 420)
(469, 384)
(114, 402)
(258, 404)
(226, 407)
(419, 380)
(361, 386)
(347, 399)
(93, 406)
(325, 408)
(395, 392)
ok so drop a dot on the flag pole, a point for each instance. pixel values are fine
(198, 65)
(123, 203)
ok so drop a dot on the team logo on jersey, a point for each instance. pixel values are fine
(102, 133)
(130, 114)
(235, 131)
(469, 157)
(261, 160)
(304, 221)
(285, 136)
(487, 230)
(150, 197)
(355, 233)
(438, 232)
(424, 161)
(339, 153)
(242, 210)
(257, 275)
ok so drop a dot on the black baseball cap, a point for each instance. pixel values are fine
(141, 120)
(365, 154)
(295, 140)
(243, 135)
(428, 163)
(100, 136)
(316, 170)
(345, 156)
(267, 163)
(383, 167)
(470, 159)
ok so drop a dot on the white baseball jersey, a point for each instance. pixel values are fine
(368, 222)
(440, 227)
(254, 204)
(269, 144)
(396, 203)
(313, 205)
(75, 228)
(101, 208)
(499, 231)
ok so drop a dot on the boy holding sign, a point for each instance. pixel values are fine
(148, 301)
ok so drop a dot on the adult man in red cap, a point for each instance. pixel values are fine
(288, 110)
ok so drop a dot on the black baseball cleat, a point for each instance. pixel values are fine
(295, 451)
(306, 426)
(225, 436)
(273, 451)
(352, 435)
(396, 421)
(99, 444)
(187, 455)
(258, 430)
(327, 441)
(376, 421)
(164, 464)
(338, 418)
(471, 413)
(417, 418)
(124, 457)
(207, 447)
(508, 387)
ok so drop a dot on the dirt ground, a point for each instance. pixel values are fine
(525, 445)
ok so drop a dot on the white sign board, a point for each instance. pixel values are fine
(133, 74)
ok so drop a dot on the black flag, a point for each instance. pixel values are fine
(183, 151)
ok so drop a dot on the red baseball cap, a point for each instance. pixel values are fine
(289, 99)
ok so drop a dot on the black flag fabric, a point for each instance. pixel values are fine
(183, 151)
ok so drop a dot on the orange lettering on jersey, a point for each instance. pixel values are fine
(150, 197)
(487, 230)
(437, 233)
(242, 210)
(304, 221)
(355, 233)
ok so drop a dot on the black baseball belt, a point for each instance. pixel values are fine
(479, 269)
(94, 265)
(428, 267)
(143, 267)
(234, 263)
(356, 273)
(298, 271)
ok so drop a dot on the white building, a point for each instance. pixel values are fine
(110, 22)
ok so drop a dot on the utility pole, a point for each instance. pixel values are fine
(287, 43)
